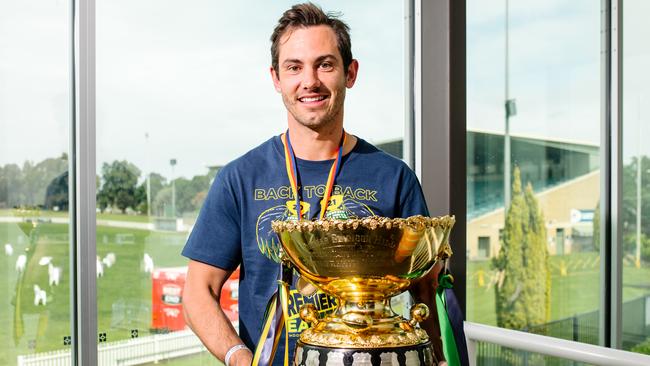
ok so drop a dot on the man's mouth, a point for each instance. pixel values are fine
(313, 99)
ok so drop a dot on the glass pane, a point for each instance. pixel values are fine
(636, 179)
(34, 144)
(181, 91)
(488, 354)
(537, 267)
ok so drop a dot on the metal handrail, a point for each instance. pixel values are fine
(549, 346)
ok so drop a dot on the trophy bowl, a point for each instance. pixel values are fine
(363, 263)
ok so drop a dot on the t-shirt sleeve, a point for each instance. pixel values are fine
(411, 197)
(216, 236)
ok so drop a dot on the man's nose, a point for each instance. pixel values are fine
(310, 79)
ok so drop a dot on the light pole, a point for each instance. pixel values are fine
(172, 162)
(639, 170)
(637, 262)
(511, 111)
(506, 135)
(146, 138)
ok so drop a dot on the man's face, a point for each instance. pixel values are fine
(311, 76)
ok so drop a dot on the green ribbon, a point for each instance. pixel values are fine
(446, 331)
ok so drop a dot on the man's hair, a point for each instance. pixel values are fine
(307, 15)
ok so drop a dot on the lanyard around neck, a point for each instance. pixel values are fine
(292, 173)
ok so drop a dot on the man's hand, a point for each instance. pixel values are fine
(424, 291)
(435, 273)
(243, 357)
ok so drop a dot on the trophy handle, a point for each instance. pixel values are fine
(309, 314)
(419, 313)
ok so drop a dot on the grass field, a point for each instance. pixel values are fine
(100, 216)
(202, 359)
(575, 286)
(124, 292)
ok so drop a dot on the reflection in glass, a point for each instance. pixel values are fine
(636, 180)
(34, 217)
(535, 265)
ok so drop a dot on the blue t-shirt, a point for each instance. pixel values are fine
(234, 225)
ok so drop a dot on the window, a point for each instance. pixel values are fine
(484, 247)
(34, 151)
(636, 181)
(533, 69)
(559, 241)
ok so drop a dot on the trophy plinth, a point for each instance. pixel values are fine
(363, 263)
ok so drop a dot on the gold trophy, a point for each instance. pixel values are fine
(363, 263)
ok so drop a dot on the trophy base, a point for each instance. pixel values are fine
(312, 355)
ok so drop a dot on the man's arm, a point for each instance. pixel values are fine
(423, 291)
(204, 314)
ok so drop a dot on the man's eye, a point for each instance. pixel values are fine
(293, 68)
(326, 65)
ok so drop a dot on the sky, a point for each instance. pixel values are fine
(553, 72)
(191, 82)
(194, 79)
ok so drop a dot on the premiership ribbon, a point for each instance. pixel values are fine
(274, 321)
(275, 317)
(451, 323)
(292, 173)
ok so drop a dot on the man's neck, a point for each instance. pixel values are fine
(308, 144)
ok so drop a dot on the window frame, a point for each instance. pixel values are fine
(82, 190)
(440, 123)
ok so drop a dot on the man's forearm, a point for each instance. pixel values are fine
(208, 321)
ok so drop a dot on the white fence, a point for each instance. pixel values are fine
(134, 351)
(560, 348)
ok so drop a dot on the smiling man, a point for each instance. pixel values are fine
(312, 80)
(315, 169)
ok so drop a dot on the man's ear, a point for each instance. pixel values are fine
(351, 76)
(276, 79)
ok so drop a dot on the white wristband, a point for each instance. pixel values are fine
(232, 351)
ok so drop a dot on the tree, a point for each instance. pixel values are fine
(15, 179)
(198, 200)
(537, 267)
(28, 185)
(187, 190)
(645, 248)
(156, 183)
(184, 194)
(102, 200)
(140, 198)
(56, 194)
(643, 347)
(630, 210)
(523, 263)
(119, 182)
(11, 180)
(38, 177)
(161, 201)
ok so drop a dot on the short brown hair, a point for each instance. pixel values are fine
(306, 15)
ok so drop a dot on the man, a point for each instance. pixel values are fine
(312, 66)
